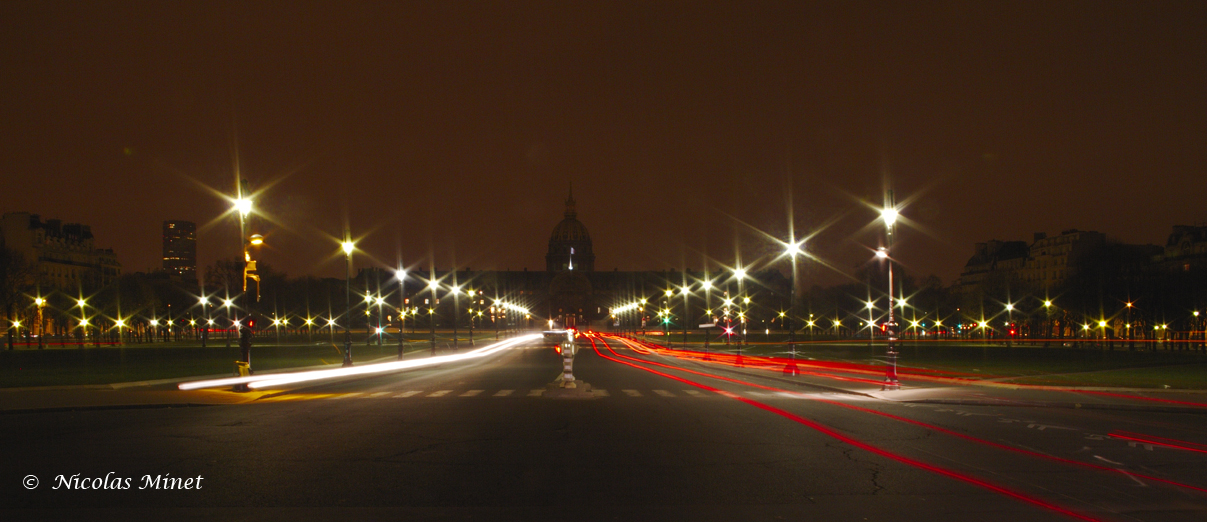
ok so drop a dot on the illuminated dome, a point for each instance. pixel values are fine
(570, 244)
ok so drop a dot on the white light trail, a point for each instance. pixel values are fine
(265, 381)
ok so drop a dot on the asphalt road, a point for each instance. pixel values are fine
(483, 440)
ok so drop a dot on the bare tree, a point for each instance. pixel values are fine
(17, 276)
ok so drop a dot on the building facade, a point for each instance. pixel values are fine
(569, 292)
(1046, 263)
(180, 249)
(65, 253)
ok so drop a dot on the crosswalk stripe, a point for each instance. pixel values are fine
(598, 392)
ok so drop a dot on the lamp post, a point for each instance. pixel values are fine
(1009, 323)
(431, 310)
(244, 206)
(83, 322)
(204, 302)
(1048, 315)
(889, 215)
(348, 247)
(40, 321)
(793, 249)
(686, 310)
(226, 303)
(380, 330)
(473, 305)
(456, 307)
(401, 274)
(1131, 340)
(707, 284)
(666, 322)
(740, 274)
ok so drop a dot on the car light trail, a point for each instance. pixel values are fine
(279, 379)
(1160, 441)
(861, 445)
(1139, 398)
(938, 428)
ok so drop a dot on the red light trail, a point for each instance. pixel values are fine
(853, 442)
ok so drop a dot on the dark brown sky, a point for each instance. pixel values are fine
(451, 129)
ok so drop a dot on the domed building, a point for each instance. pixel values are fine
(570, 244)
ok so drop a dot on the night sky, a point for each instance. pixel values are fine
(452, 130)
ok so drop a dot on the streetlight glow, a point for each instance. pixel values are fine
(889, 215)
(348, 246)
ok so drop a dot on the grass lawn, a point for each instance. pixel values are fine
(1020, 363)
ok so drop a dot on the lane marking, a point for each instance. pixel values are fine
(600, 393)
(347, 395)
(380, 394)
(407, 394)
(536, 393)
(693, 393)
(471, 393)
(632, 393)
(440, 393)
(664, 393)
(503, 393)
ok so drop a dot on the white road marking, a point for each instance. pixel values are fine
(346, 395)
(632, 393)
(503, 393)
(380, 394)
(599, 392)
(664, 393)
(693, 393)
(407, 394)
(471, 393)
(440, 393)
(536, 393)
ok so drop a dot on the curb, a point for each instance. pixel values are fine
(173, 380)
(62, 409)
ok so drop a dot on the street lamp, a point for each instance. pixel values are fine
(432, 285)
(1009, 323)
(401, 274)
(1131, 339)
(707, 285)
(792, 249)
(889, 214)
(243, 204)
(83, 322)
(685, 290)
(226, 303)
(348, 247)
(40, 321)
